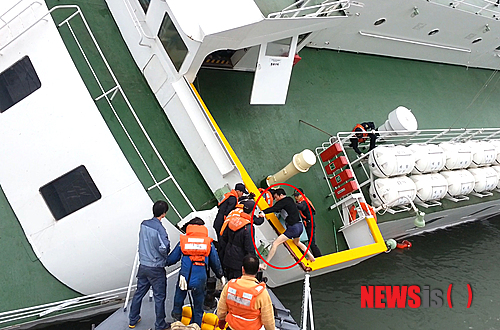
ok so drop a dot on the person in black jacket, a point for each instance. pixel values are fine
(363, 131)
(236, 239)
(293, 223)
(305, 214)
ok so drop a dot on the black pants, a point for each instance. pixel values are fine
(311, 236)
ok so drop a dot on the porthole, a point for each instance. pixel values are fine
(433, 32)
(379, 21)
(477, 40)
(498, 48)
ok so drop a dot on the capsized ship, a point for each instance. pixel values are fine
(91, 143)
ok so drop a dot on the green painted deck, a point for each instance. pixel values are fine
(334, 91)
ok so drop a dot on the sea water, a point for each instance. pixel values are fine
(461, 255)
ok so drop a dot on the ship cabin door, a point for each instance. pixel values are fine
(273, 71)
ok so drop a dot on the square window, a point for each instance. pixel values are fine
(17, 82)
(172, 42)
(70, 192)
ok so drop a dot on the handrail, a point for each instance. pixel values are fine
(15, 5)
(137, 24)
(15, 17)
(477, 10)
(344, 4)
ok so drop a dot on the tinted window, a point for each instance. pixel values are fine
(145, 4)
(17, 82)
(172, 42)
(70, 192)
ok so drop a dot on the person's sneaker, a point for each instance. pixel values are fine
(131, 326)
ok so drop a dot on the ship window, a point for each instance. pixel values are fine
(280, 48)
(17, 82)
(172, 42)
(379, 21)
(70, 192)
(476, 40)
(145, 5)
(433, 32)
(498, 48)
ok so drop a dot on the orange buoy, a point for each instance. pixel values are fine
(404, 245)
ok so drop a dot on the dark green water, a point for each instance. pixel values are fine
(465, 254)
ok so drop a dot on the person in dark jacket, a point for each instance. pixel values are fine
(293, 223)
(305, 214)
(237, 239)
(196, 252)
(154, 247)
(226, 205)
(363, 131)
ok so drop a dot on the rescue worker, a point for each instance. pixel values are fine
(196, 252)
(293, 222)
(365, 131)
(245, 303)
(226, 205)
(236, 238)
(306, 216)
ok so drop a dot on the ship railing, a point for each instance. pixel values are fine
(18, 16)
(137, 24)
(302, 8)
(111, 297)
(486, 8)
(364, 177)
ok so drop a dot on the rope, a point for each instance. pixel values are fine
(490, 78)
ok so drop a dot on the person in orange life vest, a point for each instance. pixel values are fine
(306, 218)
(226, 205)
(196, 252)
(245, 303)
(236, 238)
(364, 130)
(293, 222)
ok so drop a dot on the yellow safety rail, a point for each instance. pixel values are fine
(323, 261)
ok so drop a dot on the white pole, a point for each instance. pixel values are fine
(131, 280)
(311, 309)
(305, 303)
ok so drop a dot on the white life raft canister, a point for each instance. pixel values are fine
(392, 191)
(496, 144)
(483, 153)
(486, 178)
(460, 182)
(458, 155)
(497, 169)
(388, 161)
(428, 158)
(400, 120)
(430, 186)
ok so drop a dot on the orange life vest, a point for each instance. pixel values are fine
(308, 201)
(365, 134)
(236, 219)
(268, 197)
(229, 194)
(353, 214)
(240, 301)
(196, 244)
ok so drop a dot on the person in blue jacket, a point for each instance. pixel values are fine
(196, 252)
(154, 247)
